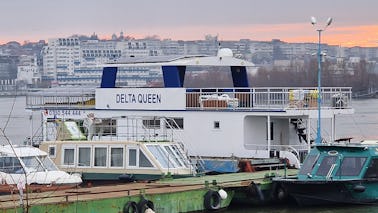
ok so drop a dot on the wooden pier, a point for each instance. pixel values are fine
(176, 195)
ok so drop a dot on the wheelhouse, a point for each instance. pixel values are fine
(354, 161)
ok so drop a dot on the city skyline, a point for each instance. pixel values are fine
(354, 22)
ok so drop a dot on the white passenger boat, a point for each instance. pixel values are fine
(222, 126)
(29, 168)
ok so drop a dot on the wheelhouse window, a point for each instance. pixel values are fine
(100, 156)
(308, 164)
(68, 156)
(116, 157)
(326, 165)
(372, 171)
(351, 166)
(84, 156)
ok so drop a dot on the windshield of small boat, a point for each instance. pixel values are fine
(10, 165)
(38, 164)
(48, 163)
(32, 164)
(308, 164)
(351, 166)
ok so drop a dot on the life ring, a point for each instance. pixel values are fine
(131, 206)
(212, 200)
(144, 204)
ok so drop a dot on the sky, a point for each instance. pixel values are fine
(355, 22)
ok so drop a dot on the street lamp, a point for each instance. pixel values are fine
(313, 22)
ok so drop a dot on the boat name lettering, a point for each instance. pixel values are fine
(64, 112)
(147, 98)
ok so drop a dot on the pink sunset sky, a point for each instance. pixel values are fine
(355, 22)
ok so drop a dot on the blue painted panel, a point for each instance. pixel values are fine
(221, 166)
(109, 75)
(239, 76)
(173, 76)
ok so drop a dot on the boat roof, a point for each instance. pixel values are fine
(174, 60)
(362, 145)
(20, 151)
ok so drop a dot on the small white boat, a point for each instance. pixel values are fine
(95, 151)
(29, 168)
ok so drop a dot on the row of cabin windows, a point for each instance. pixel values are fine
(350, 166)
(136, 157)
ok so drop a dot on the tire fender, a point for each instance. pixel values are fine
(212, 200)
(131, 206)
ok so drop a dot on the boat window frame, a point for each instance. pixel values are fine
(49, 148)
(330, 166)
(110, 156)
(178, 158)
(369, 165)
(64, 148)
(163, 159)
(128, 148)
(91, 162)
(12, 169)
(337, 174)
(313, 164)
(106, 157)
(153, 166)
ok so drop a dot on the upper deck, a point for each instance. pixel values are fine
(220, 99)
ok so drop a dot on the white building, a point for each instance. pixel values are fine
(27, 70)
(69, 61)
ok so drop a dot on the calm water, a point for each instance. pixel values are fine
(362, 124)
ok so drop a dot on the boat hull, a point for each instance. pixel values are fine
(322, 192)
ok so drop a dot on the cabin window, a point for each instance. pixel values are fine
(216, 125)
(325, 165)
(173, 156)
(308, 164)
(143, 160)
(52, 151)
(160, 155)
(372, 171)
(116, 157)
(152, 123)
(175, 123)
(132, 157)
(68, 156)
(351, 166)
(84, 156)
(180, 154)
(100, 156)
(10, 165)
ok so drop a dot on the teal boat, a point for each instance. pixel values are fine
(335, 173)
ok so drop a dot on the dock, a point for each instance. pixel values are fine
(175, 195)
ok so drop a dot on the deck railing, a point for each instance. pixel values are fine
(261, 98)
(268, 98)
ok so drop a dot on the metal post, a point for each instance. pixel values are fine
(318, 138)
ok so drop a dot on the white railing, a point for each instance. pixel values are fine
(262, 98)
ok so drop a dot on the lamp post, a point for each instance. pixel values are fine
(313, 22)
